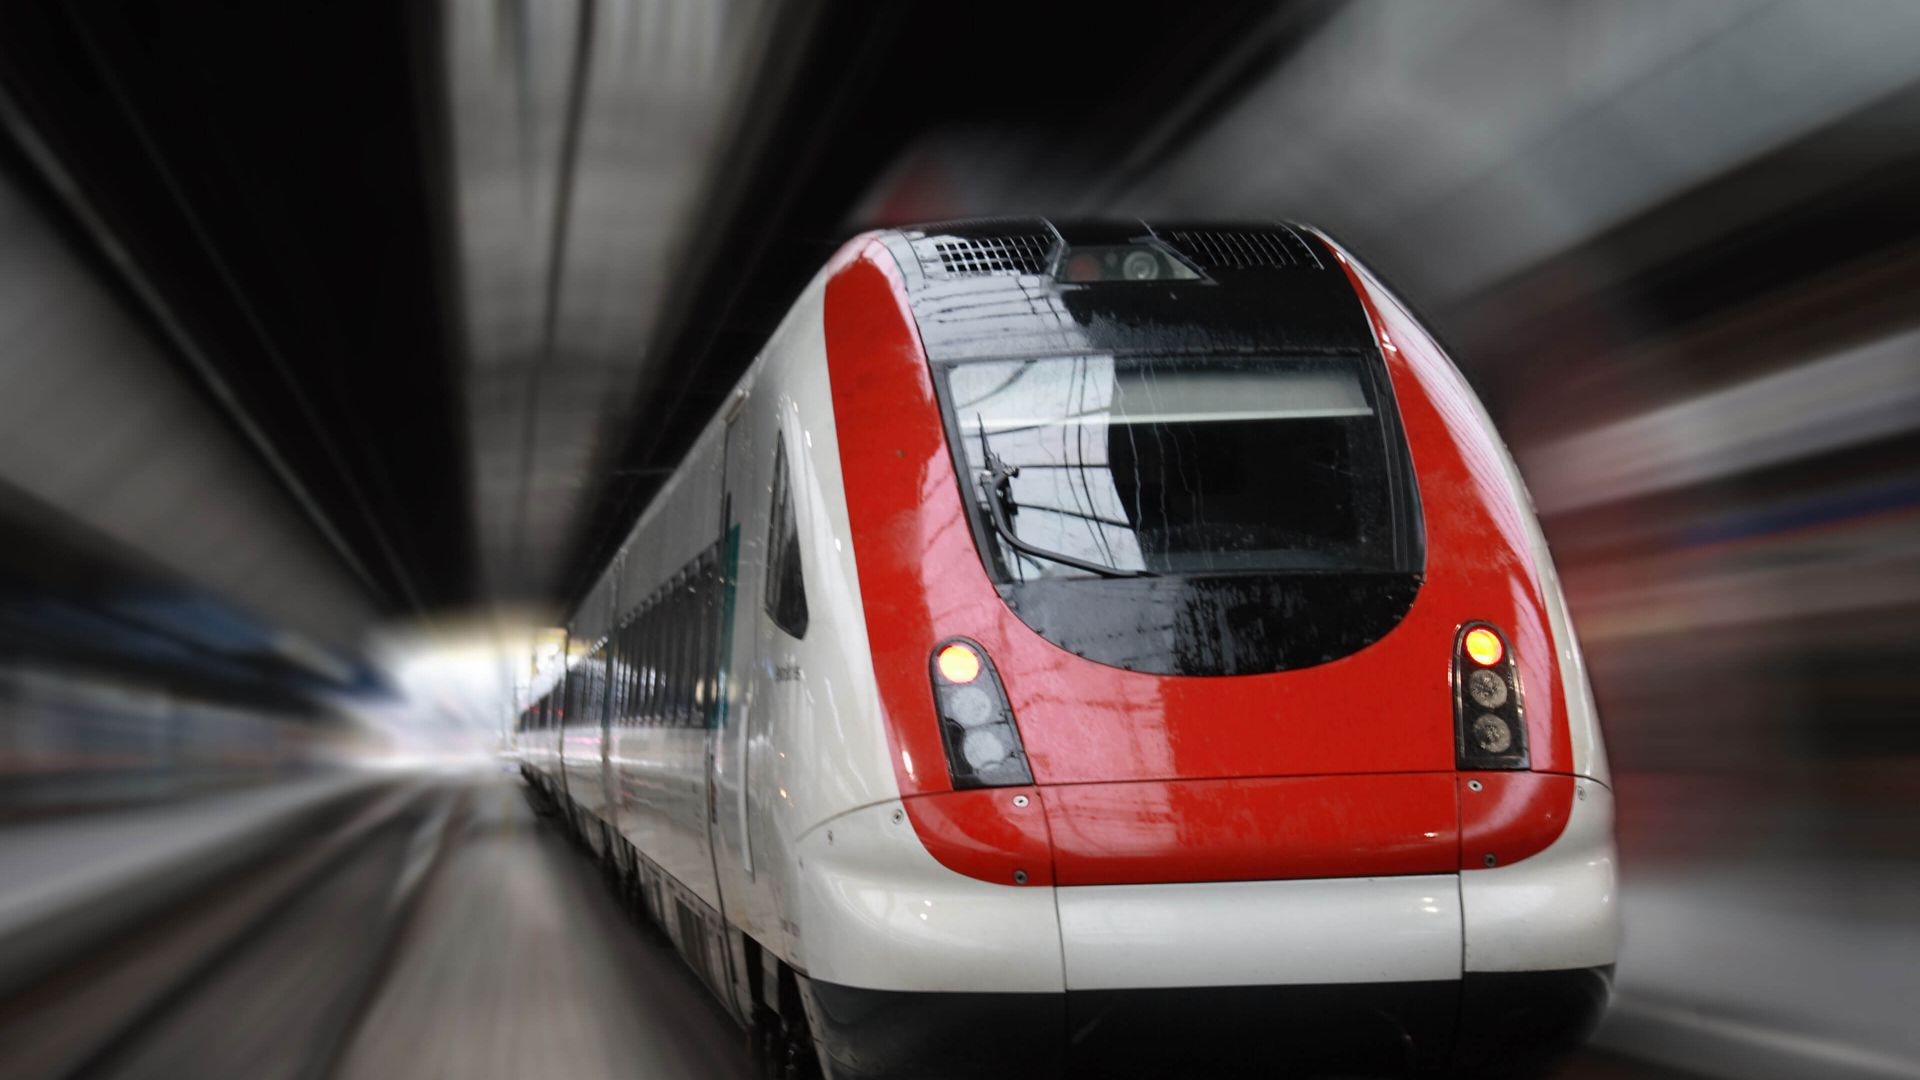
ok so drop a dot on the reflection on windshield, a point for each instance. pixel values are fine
(1182, 465)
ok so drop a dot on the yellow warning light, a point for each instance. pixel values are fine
(1483, 646)
(958, 663)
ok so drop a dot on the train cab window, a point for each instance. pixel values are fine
(1128, 506)
(786, 594)
(1151, 466)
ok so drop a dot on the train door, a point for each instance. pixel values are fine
(732, 725)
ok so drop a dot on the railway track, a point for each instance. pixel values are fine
(264, 972)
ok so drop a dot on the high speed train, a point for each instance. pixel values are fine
(1100, 650)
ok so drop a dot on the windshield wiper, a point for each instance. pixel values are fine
(1001, 507)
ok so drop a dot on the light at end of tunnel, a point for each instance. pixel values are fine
(1483, 646)
(958, 664)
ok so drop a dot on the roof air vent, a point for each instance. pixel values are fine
(1241, 249)
(980, 256)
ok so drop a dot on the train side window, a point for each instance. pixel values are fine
(636, 635)
(716, 580)
(623, 674)
(657, 661)
(677, 653)
(709, 637)
(690, 651)
(629, 658)
(644, 653)
(689, 645)
(616, 681)
(786, 593)
(597, 684)
(586, 708)
(642, 674)
(593, 689)
(650, 658)
(697, 680)
(662, 658)
(643, 679)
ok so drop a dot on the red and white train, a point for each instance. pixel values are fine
(1100, 650)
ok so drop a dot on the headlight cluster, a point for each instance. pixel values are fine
(1489, 730)
(976, 722)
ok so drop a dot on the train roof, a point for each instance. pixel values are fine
(1009, 286)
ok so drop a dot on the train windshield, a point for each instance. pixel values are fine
(1129, 466)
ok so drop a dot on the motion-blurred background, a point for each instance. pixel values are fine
(340, 344)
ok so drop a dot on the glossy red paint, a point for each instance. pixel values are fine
(1472, 507)
(1385, 709)
(1511, 816)
(1253, 830)
(881, 411)
(987, 833)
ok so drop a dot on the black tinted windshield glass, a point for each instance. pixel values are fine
(1089, 465)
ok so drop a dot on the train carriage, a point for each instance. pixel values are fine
(1100, 649)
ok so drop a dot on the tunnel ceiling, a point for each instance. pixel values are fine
(470, 277)
(262, 183)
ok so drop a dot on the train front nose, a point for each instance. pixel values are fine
(1020, 948)
(1381, 924)
(1266, 921)
(1212, 543)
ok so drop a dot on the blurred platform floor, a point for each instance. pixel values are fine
(520, 963)
(432, 925)
(1778, 946)
(50, 864)
(425, 926)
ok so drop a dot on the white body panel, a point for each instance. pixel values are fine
(800, 737)
(1558, 909)
(1261, 933)
(876, 911)
(817, 746)
(662, 801)
(580, 747)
